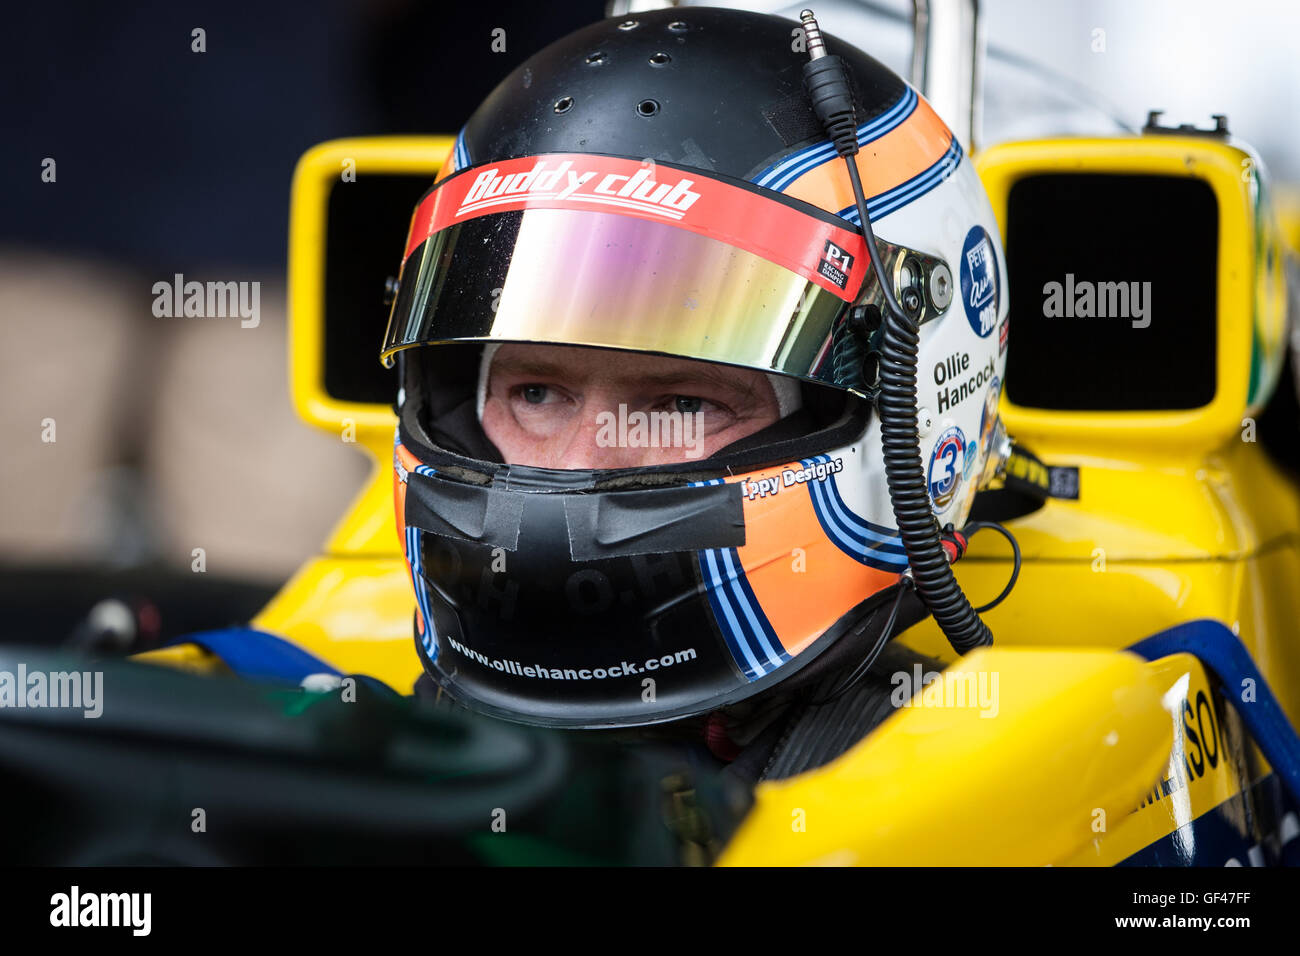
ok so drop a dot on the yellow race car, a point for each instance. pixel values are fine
(1138, 702)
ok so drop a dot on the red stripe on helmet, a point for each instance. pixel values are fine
(689, 200)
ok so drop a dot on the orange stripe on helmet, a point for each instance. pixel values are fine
(802, 592)
(448, 166)
(409, 462)
(907, 150)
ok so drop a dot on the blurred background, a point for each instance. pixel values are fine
(173, 433)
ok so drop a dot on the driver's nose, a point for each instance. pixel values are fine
(593, 442)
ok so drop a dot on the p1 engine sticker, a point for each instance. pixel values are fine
(946, 464)
(979, 281)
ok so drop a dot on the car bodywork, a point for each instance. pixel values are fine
(1091, 753)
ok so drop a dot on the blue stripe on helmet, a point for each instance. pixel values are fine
(725, 615)
(745, 628)
(887, 538)
(780, 174)
(460, 152)
(867, 543)
(762, 627)
(417, 578)
(914, 188)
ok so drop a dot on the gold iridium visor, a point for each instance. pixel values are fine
(577, 249)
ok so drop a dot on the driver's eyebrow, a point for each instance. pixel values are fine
(527, 366)
(719, 377)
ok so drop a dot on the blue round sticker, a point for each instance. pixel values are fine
(946, 464)
(979, 281)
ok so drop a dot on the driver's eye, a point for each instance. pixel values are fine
(534, 394)
(688, 404)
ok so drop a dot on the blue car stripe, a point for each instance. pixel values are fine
(258, 655)
(1223, 654)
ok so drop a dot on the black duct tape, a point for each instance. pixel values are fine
(661, 521)
(469, 512)
(600, 524)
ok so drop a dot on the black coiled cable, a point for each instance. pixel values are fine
(827, 83)
(901, 441)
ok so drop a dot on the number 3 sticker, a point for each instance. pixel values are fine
(946, 463)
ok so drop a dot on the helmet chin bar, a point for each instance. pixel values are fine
(827, 84)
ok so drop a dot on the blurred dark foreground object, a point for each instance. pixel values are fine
(119, 610)
(186, 770)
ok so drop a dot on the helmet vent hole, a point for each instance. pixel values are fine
(628, 25)
(647, 107)
(659, 59)
(596, 59)
(564, 104)
(677, 26)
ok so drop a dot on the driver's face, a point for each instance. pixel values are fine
(555, 406)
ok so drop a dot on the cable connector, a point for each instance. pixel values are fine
(954, 543)
(826, 81)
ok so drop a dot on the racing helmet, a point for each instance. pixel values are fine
(659, 184)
